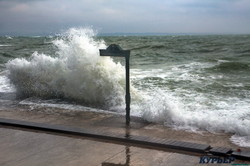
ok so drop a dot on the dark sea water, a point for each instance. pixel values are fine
(189, 82)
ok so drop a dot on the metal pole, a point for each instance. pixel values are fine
(116, 50)
(128, 98)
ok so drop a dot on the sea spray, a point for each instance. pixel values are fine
(76, 72)
(159, 107)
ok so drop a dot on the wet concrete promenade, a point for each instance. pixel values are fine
(23, 147)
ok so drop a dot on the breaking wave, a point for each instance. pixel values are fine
(76, 72)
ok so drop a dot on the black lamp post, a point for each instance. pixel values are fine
(116, 50)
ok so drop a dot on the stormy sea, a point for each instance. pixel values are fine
(186, 82)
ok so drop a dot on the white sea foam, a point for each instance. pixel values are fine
(243, 141)
(190, 110)
(231, 116)
(9, 37)
(76, 72)
(5, 85)
(5, 45)
(35, 103)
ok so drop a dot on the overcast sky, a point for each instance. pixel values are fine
(128, 16)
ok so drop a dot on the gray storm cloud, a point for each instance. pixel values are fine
(177, 16)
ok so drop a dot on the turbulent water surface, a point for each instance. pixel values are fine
(193, 82)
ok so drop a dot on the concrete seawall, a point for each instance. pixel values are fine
(24, 146)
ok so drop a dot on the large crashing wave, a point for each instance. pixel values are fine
(76, 72)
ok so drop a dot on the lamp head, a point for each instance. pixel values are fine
(114, 50)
